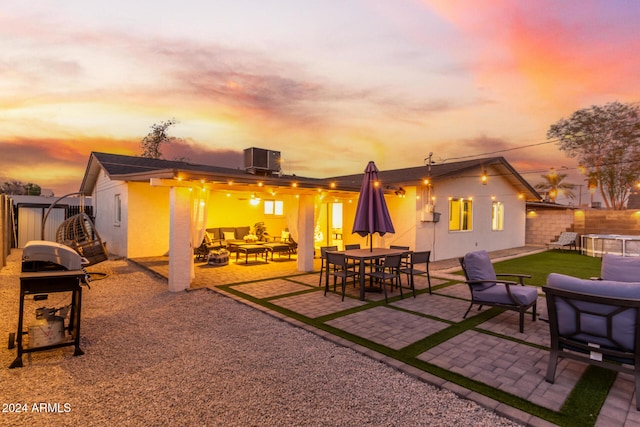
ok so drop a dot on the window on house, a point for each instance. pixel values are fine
(497, 216)
(460, 214)
(274, 207)
(117, 210)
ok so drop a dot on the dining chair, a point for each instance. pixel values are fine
(405, 257)
(416, 259)
(388, 271)
(337, 267)
(323, 259)
(352, 263)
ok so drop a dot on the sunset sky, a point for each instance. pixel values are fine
(331, 84)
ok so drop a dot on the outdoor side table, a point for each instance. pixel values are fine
(46, 282)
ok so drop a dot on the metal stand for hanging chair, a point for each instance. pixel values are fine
(79, 233)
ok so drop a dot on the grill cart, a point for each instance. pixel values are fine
(49, 268)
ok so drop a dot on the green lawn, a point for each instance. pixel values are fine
(540, 265)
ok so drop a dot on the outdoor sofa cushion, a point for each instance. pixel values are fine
(479, 267)
(594, 326)
(619, 268)
(498, 294)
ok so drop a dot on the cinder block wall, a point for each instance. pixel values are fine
(544, 226)
(607, 222)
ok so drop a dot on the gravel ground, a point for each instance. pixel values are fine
(154, 358)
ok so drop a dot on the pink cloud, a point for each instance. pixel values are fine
(560, 50)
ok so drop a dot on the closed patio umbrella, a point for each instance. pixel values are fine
(372, 214)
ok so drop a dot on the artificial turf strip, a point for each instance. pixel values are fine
(587, 397)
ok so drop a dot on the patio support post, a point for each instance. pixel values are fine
(305, 233)
(180, 251)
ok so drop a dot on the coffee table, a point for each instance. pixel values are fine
(252, 249)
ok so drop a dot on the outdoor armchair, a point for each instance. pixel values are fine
(596, 322)
(487, 289)
(619, 268)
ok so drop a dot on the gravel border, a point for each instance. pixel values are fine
(153, 357)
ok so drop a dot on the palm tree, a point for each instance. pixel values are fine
(553, 185)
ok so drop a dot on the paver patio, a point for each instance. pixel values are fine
(492, 352)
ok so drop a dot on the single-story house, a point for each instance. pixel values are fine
(149, 207)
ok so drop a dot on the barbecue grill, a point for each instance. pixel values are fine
(49, 267)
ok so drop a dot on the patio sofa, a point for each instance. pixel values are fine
(595, 321)
(228, 237)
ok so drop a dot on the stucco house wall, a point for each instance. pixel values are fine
(411, 230)
(445, 244)
(148, 228)
(113, 235)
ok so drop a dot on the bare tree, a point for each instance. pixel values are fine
(606, 141)
(151, 143)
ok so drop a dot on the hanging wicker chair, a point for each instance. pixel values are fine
(79, 233)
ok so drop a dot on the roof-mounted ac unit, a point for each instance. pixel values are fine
(261, 160)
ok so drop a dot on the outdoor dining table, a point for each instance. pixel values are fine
(367, 254)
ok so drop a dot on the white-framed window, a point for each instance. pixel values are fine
(117, 210)
(460, 214)
(497, 216)
(274, 207)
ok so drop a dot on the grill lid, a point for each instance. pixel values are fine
(56, 253)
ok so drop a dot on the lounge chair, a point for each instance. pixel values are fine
(567, 238)
(487, 289)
